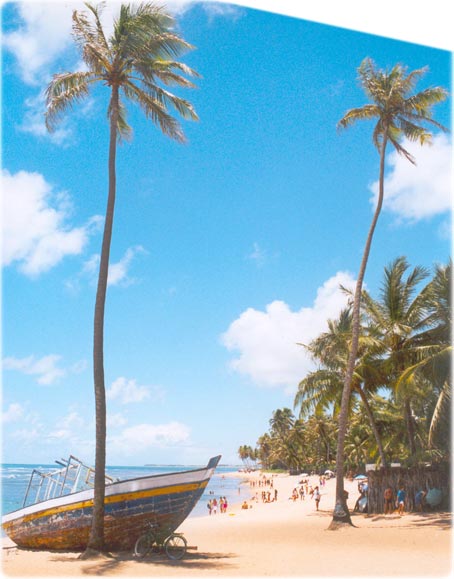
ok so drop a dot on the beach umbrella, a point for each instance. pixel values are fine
(360, 477)
(328, 472)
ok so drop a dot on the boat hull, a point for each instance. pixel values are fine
(64, 523)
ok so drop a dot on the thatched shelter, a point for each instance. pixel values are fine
(412, 479)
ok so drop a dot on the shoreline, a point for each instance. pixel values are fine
(284, 538)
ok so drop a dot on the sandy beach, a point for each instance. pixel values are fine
(278, 539)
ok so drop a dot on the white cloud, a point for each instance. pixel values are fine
(61, 434)
(127, 390)
(136, 439)
(42, 35)
(421, 191)
(71, 421)
(258, 255)
(13, 413)
(52, 21)
(118, 272)
(36, 235)
(44, 368)
(214, 9)
(33, 121)
(116, 420)
(267, 341)
(26, 436)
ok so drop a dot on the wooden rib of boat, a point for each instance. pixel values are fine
(59, 518)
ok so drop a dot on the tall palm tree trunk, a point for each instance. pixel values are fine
(96, 540)
(341, 514)
(373, 426)
(410, 427)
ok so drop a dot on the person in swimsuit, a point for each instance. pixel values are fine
(388, 496)
(401, 494)
(317, 497)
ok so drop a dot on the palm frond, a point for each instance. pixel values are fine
(358, 114)
(166, 98)
(63, 92)
(397, 110)
(90, 40)
(441, 411)
(155, 110)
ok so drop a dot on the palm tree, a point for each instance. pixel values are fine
(432, 355)
(264, 446)
(322, 389)
(133, 63)
(281, 422)
(399, 113)
(400, 317)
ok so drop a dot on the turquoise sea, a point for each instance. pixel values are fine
(15, 477)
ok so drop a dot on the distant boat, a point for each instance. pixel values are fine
(58, 506)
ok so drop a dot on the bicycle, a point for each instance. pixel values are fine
(174, 545)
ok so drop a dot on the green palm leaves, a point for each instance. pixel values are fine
(137, 60)
(398, 112)
(401, 384)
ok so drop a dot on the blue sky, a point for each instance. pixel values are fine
(226, 251)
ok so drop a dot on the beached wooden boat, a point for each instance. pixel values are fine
(58, 516)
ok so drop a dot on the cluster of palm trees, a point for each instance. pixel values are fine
(248, 456)
(400, 408)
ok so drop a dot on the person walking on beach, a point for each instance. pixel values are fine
(388, 497)
(401, 494)
(317, 497)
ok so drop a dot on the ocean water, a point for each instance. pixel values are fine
(15, 478)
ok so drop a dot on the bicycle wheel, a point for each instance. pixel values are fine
(175, 546)
(143, 546)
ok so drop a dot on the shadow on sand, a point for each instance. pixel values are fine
(442, 520)
(106, 564)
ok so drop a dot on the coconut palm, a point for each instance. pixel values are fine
(281, 422)
(264, 446)
(399, 113)
(400, 316)
(432, 356)
(322, 389)
(134, 63)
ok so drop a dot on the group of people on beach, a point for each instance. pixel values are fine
(213, 505)
(390, 503)
(397, 503)
(305, 489)
(263, 481)
(267, 496)
(302, 490)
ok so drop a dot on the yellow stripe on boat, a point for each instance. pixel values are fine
(117, 499)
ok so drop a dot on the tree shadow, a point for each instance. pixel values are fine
(105, 564)
(320, 513)
(440, 520)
